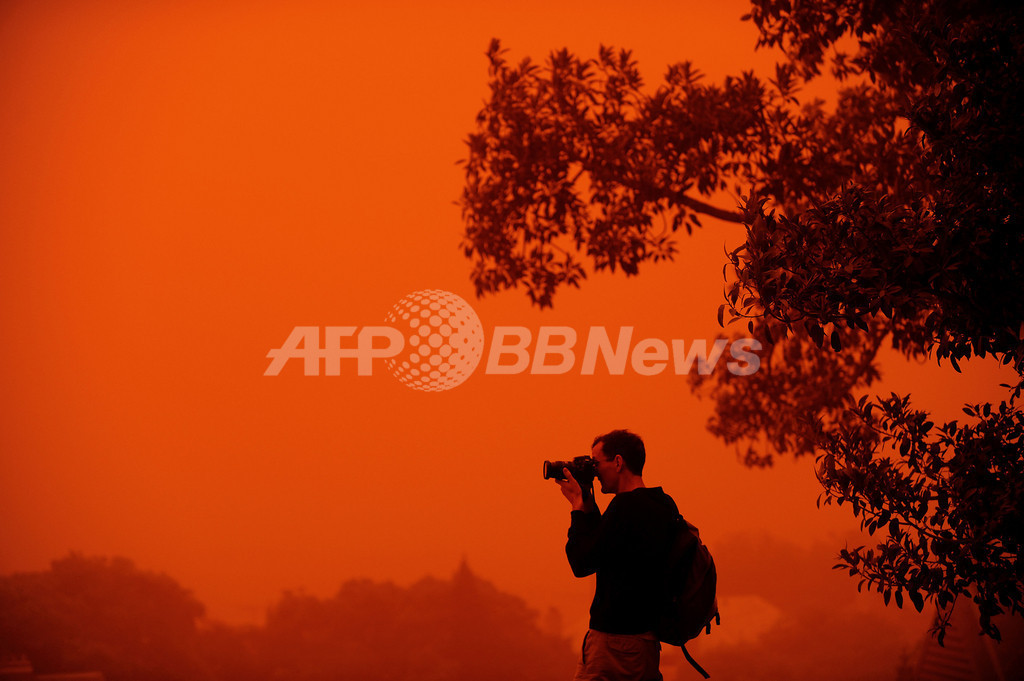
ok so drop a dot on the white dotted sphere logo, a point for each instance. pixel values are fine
(444, 340)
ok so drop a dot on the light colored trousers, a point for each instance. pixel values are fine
(619, 657)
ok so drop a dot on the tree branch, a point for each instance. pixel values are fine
(708, 209)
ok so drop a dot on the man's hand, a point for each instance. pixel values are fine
(572, 491)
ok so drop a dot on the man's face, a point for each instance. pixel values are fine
(607, 469)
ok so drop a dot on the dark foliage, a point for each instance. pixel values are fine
(895, 217)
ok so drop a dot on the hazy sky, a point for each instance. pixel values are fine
(185, 182)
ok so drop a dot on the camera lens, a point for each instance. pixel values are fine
(553, 470)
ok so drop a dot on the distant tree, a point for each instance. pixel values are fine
(98, 614)
(235, 652)
(435, 630)
(895, 217)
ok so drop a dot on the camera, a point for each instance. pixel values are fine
(582, 468)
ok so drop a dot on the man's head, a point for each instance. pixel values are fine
(620, 457)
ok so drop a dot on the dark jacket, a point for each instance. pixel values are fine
(627, 547)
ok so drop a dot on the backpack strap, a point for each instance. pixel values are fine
(693, 662)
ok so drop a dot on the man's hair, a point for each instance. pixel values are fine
(625, 444)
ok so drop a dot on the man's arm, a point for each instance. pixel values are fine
(583, 547)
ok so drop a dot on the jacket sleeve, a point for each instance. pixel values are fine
(583, 549)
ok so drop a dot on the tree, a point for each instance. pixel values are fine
(463, 628)
(895, 217)
(98, 614)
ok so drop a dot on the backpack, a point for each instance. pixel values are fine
(690, 583)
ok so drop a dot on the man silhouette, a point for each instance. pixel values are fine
(627, 547)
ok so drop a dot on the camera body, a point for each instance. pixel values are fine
(583, 468)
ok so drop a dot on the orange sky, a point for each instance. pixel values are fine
(183, 183)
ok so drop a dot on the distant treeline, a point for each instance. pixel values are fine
(100, 614)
